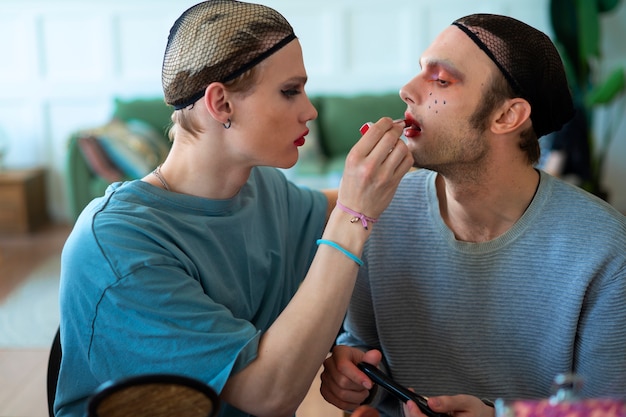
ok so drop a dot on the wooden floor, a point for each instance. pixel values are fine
(23, 383)
(23, 372)
(21, 254)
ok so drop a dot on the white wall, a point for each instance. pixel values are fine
(63, 61)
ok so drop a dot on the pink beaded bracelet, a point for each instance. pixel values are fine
(357, 216)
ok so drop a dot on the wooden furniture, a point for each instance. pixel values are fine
(22, 200)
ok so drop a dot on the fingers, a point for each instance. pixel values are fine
(374, 168)
(380, 138)
(341, 390)
(406, 159)
(343, 384)
(455, 405)
(412, 410)
(372, 356)
(382, 143)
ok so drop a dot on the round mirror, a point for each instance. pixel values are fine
(156, 395)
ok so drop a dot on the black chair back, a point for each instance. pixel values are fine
(54, 364)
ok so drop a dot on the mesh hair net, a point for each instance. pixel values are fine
(530, 63)
(218, 40)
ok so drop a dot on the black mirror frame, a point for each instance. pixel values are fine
(110, 387)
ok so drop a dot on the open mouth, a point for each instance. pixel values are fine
(413, 128)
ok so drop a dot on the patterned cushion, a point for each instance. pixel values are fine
(132, 147)
(98, 160)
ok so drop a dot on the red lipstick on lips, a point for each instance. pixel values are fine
(413, 129)
(300, 141)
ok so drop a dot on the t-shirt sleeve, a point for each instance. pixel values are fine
(176, 328)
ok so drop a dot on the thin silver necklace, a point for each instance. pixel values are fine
(157, 173)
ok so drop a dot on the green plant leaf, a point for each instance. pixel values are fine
(588, 28)
(565, 27)
(605, 92)
(607, 5)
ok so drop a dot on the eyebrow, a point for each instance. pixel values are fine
(445, 64)
(296, 80)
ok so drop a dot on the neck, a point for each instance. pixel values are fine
(479, 211)
(185, 173)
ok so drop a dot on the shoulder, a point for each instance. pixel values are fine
(570, 217)
(125, 227)
(574, 202)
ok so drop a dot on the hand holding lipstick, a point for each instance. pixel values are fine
(374, 167)
(367, 125)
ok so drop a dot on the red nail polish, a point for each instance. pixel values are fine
(365, 128)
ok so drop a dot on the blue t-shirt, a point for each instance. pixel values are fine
(158, 282)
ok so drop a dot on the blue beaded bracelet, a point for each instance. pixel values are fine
(349, 254)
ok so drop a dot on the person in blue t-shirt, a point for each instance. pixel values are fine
(215, 266)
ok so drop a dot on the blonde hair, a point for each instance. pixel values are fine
(187, 120)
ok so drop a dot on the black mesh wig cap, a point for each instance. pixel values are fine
(218, 40)
(530, 63)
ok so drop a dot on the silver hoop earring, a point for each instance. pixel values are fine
(227, 124)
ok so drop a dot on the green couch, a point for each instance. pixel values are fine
(135, 141)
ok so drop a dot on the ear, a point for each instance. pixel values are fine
(216, 100)
(513, 113)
